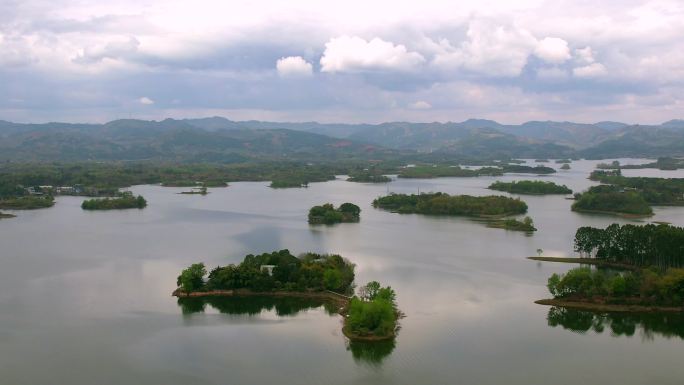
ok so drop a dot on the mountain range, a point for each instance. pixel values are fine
(218, 139)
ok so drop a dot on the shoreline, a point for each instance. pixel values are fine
(584, 261)
(611, 308)
(342, 302)
(614, 213)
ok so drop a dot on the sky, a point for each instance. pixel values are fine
(344, 61)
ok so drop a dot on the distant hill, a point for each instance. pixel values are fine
(218, 139)
(172, 140)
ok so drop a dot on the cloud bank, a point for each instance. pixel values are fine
(348, 62)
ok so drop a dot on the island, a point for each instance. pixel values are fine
(532, 187)
(444, 204)
(370, 316)
(541, 160)
(526, 225)
(328, 214)
(27, 202)
(565, 166)
(655, 191)
(614, 200)
(563, 161)
(647, 270)
(441, 171)
(125, 201)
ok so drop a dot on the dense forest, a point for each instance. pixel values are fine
(534, 187)
(328, 214)
(309, 271)
(649, 245)
(125, 201)
(444, 204)
(611, 199)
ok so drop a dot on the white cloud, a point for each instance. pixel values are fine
(553, 50)
(146, 101)
(589, 71)
(354, 54)
(293, 66)
(115, 49)
(420, 105)
(584, 56)
(490, 49)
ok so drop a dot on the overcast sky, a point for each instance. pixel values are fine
(342, 61)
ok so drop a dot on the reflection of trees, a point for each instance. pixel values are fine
(252, 305)
(371, 353)
(620, 324)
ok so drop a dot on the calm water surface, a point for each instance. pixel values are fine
(85, 296)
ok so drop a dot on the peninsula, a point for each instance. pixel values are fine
(651, 278)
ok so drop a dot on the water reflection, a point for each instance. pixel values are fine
(368, 353)
(253, 305)
(620, 324)
(371, 353)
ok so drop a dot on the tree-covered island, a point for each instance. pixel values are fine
(458, 205)
(532, 187)
(126, 201)
(441, 171)
(648, 270)
(371, 316)
(526, 225)
(328, 214)
(609, 199)
(655, 191)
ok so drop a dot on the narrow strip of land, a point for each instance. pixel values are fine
(604, 307)
(585, 261)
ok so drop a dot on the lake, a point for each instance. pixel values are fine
(86, 296)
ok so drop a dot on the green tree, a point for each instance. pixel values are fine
(192, 278)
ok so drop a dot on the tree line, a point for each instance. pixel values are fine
(445, 204)
(279, 270)
(536, 187)
(649, 245)
(641, 287)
